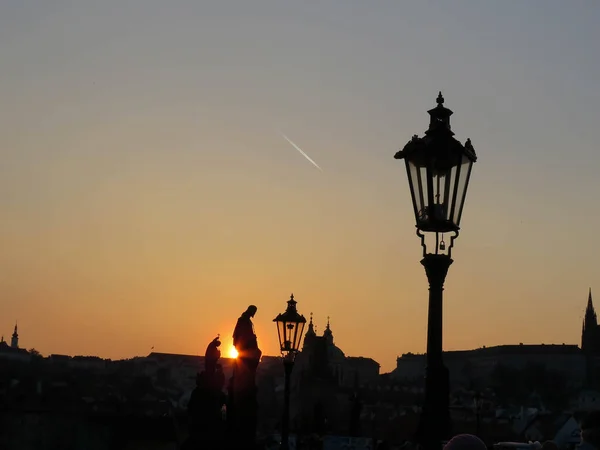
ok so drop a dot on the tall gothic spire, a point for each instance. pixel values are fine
(590, 312)
(590, 326)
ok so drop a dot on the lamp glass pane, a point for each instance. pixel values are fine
(418, 188)
(289, 336)
(299, 333)
(462, 185)
(281, 333)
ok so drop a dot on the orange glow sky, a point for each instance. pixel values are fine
(147, 198)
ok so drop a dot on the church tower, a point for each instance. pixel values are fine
(589, 330)
(309, 335)
(328, 334)
(14, 342)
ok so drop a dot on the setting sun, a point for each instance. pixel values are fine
(233, 353)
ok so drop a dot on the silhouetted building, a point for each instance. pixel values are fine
(579, 365)
(348, 371)
(590, 335)
(13, 351)
(467, 366)
(590, 343)
(324, 381)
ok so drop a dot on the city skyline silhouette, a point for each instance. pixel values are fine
(147, 199)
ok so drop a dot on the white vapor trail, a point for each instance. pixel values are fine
(300, 150)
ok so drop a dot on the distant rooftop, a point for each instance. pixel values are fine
(56, 356)
(518, 349)
(171, 355)
(362, 360)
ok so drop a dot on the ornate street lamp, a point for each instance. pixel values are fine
(290, 326)
(438, 168)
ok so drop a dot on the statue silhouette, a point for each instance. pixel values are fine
(206, 402)
(212, 355)
(244, 338)
(242, 404)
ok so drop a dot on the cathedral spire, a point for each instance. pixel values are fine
(590, 311)
(590, 326)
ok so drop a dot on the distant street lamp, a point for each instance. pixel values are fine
(290, 326)
(477, 404)
(438, 168)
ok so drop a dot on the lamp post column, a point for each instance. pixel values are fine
(435, 420)
(288, 365)
(438, 168)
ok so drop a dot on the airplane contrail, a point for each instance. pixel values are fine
(300, 150)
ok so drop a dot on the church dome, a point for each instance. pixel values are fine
(335, 353)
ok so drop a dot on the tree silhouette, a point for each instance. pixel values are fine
(34, 353)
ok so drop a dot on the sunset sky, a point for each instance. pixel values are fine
(148, 198)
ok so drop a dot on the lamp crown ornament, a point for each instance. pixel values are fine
(291, 302)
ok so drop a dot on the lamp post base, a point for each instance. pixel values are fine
(435, 423)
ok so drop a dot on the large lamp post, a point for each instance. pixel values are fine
(438, 168)
(290, 326)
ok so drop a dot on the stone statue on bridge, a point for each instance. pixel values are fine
(242, 403)
(205, 416)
